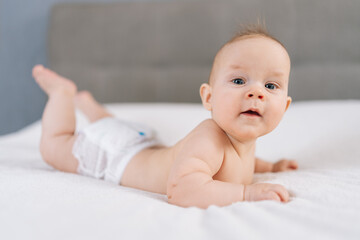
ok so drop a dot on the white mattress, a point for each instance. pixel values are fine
(38, 202)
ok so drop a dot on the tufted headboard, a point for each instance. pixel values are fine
(162, 51)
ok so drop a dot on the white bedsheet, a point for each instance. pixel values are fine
(38, 202)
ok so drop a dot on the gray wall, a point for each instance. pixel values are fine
(23, 32)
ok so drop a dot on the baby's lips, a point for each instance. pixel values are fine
(252, 111)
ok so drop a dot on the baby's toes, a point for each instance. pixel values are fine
(37, 69)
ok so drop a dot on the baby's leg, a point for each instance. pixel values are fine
(58, 120)
(90, 107)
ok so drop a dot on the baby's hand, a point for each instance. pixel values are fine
(265, 191)
(284, 165)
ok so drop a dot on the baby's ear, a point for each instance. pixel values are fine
(288, 101)
(205, 93)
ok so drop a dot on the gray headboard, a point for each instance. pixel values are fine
(163, 51)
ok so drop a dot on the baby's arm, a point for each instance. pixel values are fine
(191, 184)
(262, 166)
(197, 188)
(191, 180)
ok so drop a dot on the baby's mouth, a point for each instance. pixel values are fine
(252, 113)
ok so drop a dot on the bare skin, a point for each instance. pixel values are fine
(213, 164)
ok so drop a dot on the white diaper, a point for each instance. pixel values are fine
(105, 147)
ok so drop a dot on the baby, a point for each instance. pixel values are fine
(214, 164)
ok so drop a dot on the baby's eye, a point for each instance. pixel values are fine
(271, 86)
(238, 81)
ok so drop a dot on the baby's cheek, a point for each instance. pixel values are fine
(222, 112)
(222, 118)
(275, 118)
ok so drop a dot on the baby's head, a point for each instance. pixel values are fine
(247, 92)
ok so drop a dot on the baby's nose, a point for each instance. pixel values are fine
(256, 95)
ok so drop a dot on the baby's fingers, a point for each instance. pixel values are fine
(272, 196)
(282, 193)
(293, 164)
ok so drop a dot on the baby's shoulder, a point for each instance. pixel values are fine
(210, 126)
(206, 142)
(207, 135)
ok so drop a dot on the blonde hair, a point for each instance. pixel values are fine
(244, 32)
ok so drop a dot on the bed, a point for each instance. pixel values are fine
(38, 202)
(146, 61)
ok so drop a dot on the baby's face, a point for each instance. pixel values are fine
(248, 91)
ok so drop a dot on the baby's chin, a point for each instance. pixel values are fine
(245, 136)
(249, 133)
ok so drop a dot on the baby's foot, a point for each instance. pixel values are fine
(90, 107)
(51, 82)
